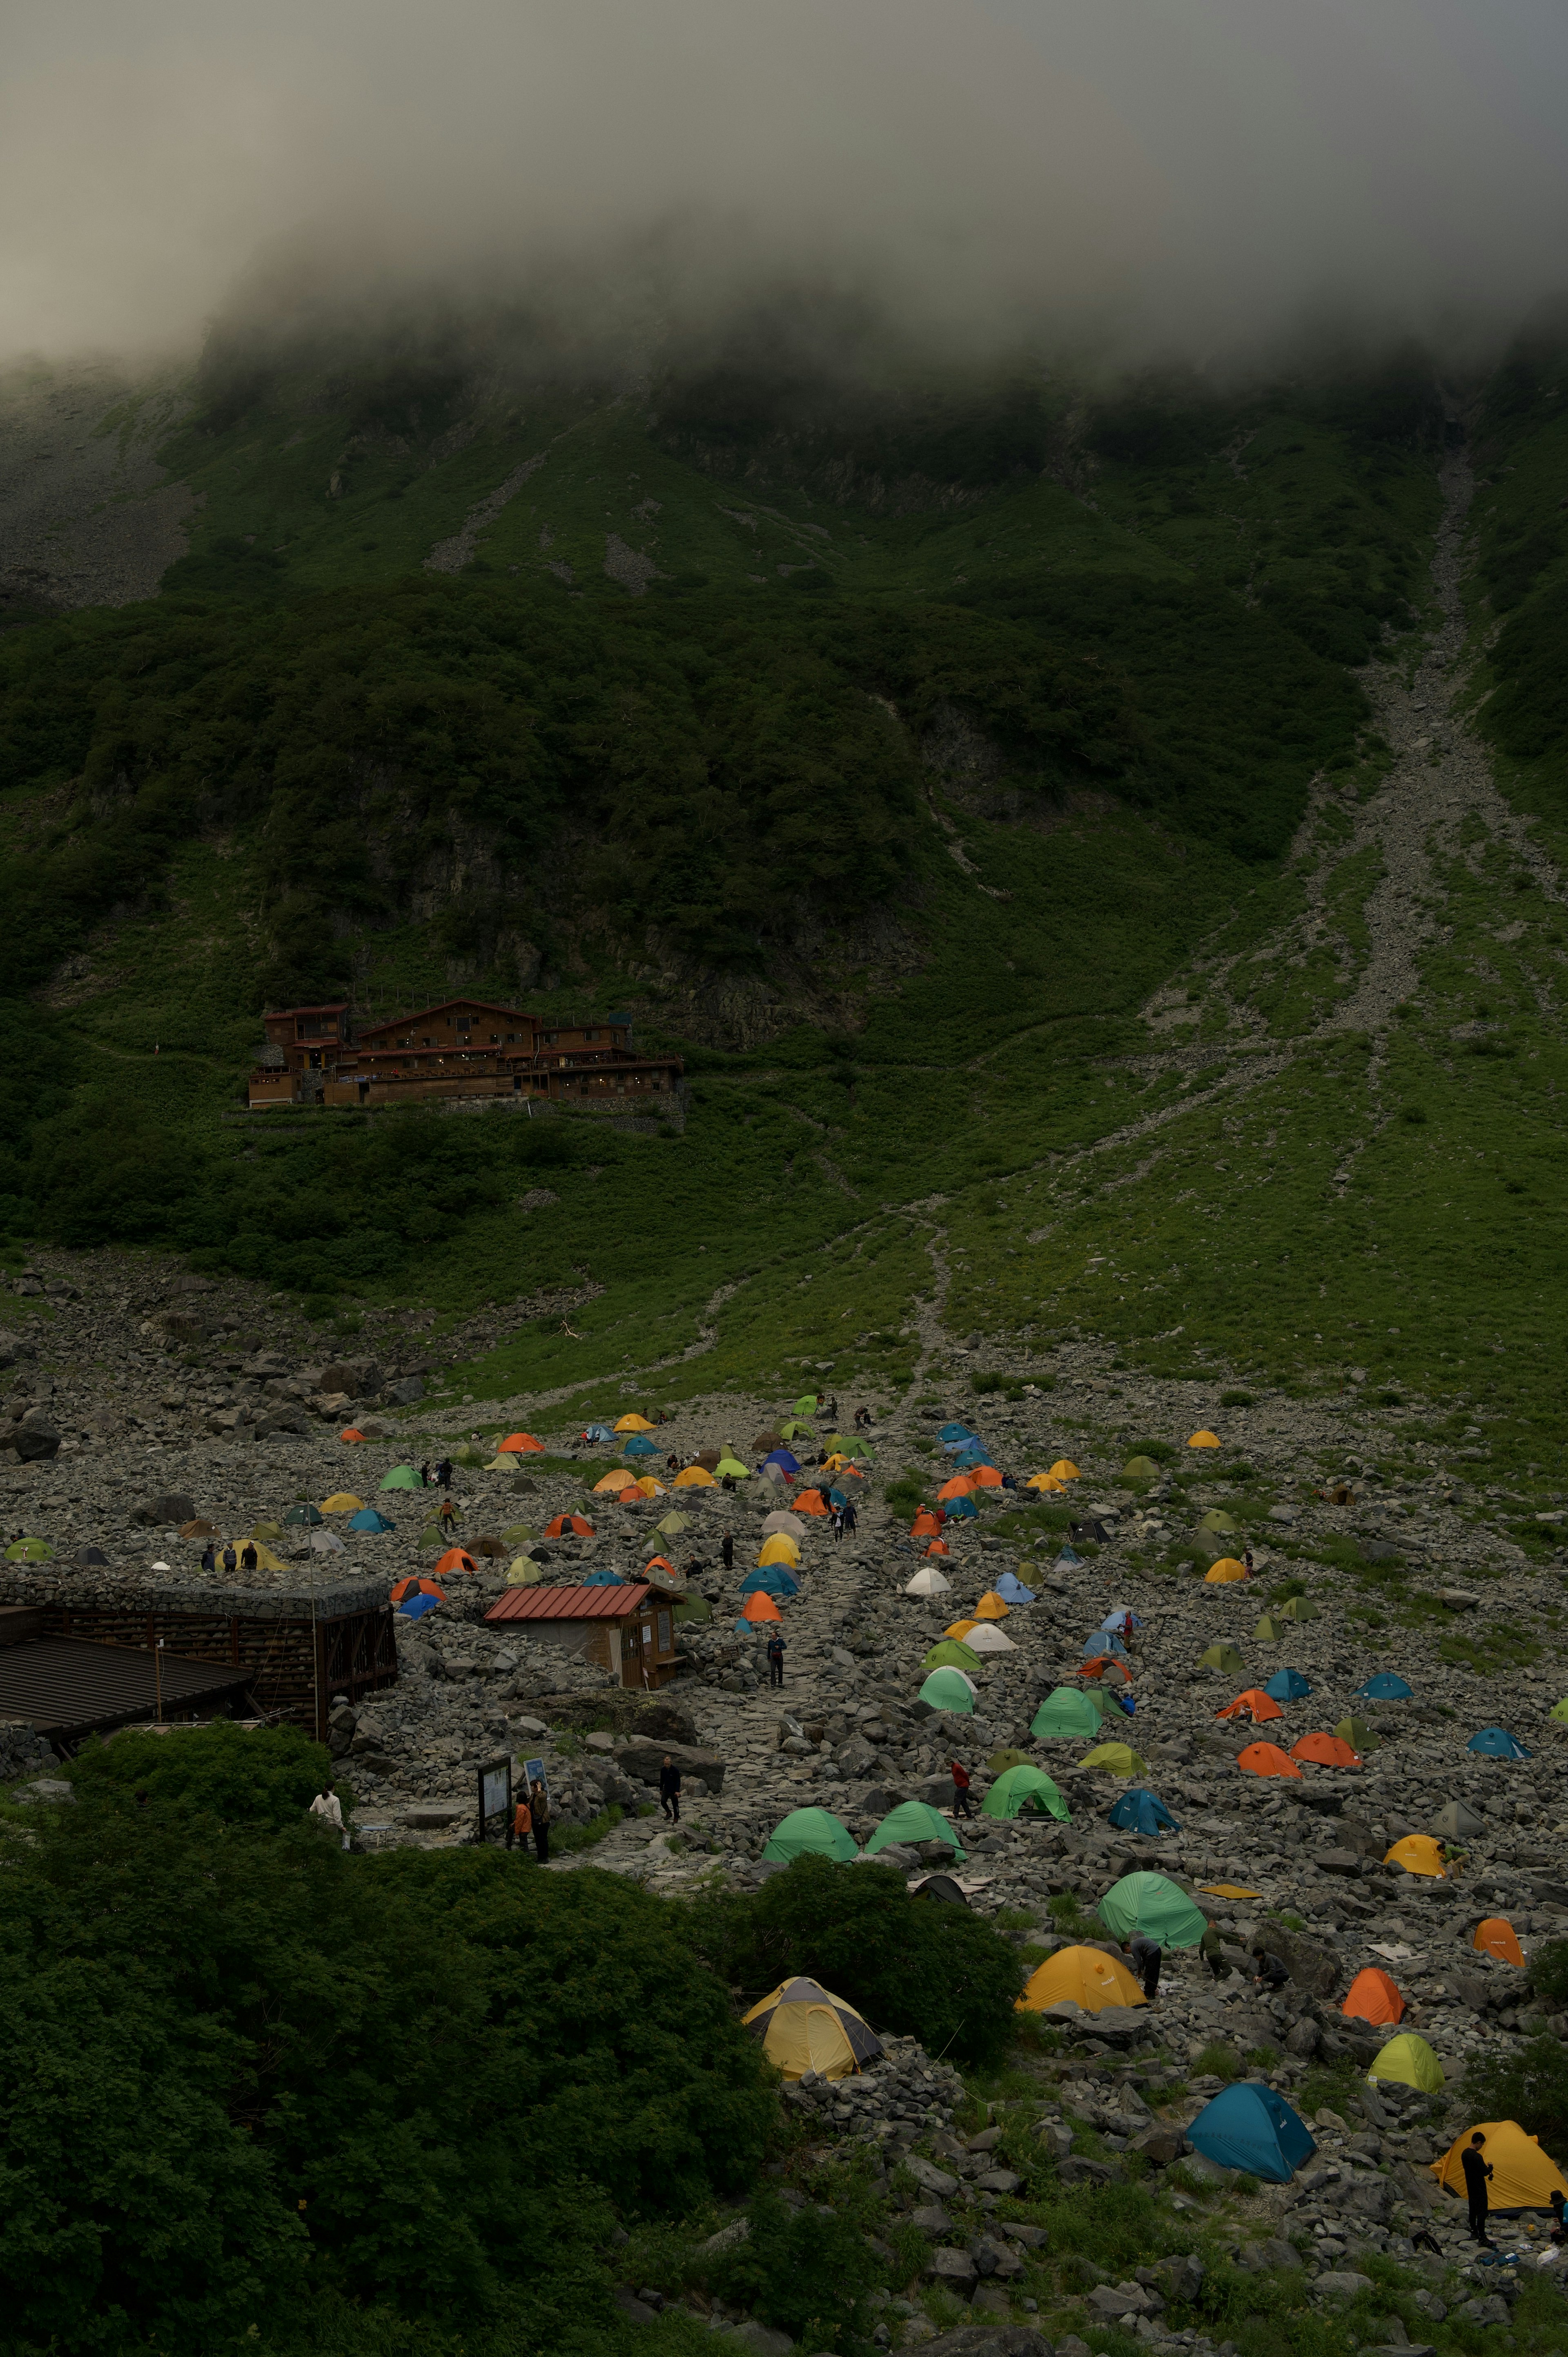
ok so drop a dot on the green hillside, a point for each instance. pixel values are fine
(971, 781)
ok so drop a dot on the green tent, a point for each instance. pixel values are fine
(672, 1525)
(729, 1469)
(1356, 1734)
(1558, 1711)
(1000, 1761)
(1410, 2059)
(810, 1833)
(1268, 1631)
(30, 1550)
(1017, 1789)
(948, 1690)
(914, 1822)
(951, 1653)
(1222, 1656)
(299, 1517)
(402, 1477)
(807, 1404)
(515, 1532)
(1140, 1468)
(1153, 1904)
(1217, 1520)
(1116, 1759)
(694, 1608)
(1065, 1712)
(266, 1531)
(1301, 1608)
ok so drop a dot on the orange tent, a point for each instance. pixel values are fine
(1254, 1699)
(661, 1562)
(1097, 1667)
(521, 1444)
(1372, 1997)
(761, 1607)
(619, 1480)
(959, 1487)
(926, 1524)
(1266, 1759)
(645, 1484)
(939, 1546)
(986, 1477)
(416, 1587)
(810, 1501)
(1497, 1937)
(1326, 1751)
(352, 1434)
(568, 1525)
(454, 1560)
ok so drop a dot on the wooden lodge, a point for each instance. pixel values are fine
(463, 1048)
(628, 1630)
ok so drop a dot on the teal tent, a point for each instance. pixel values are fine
(1025, 1788)
(914, 1822)
(1143, 1813)
(1497, 1743)
(1287, 1685)
(1249, 2126)
(810, 1833)
(1153, 1904)
(948, 1690)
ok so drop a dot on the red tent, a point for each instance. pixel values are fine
(568, 1525)
(521, 1444)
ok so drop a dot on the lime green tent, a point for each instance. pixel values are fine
(807, 1404)
(1116, 1759)
(1217, 1520)
(694, 1608)
(1301, 1608)
(948, 1690)
(730, 1468)
(402, 1477)
(914, 1822)
(1222, 1657)
(1065, 1712)
(1140, 1468)
(1558, 1711)
(1356, 1734)
(672, 1525)
(1153, 1904)
(951, 1653)
(1268, 1631)
(1000, 1761)
(1017, 1789)
(1410, 2059)
(30, 1550)
(810, 1833)
(515, 1532)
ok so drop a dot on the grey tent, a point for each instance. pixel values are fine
(1455, 1821)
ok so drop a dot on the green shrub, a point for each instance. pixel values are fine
(1219, 2063)
(1530, 2085)
(1160, 1450)
(265, 1776)
(1549, 1970)
(806, 2274)
(1235, 1399)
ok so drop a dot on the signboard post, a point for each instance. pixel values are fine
(495, 1796)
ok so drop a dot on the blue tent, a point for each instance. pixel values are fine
(597, 1432)
(601, 1579)
(640, 1446)
(1386, 1687)
(1249, 2126)
(975, 1454)
(782, 1458)
(953, 1436)
(838, 1498)
(1287, 1686)
(1497, 1743)
(1113, 1620)
(1069, 1559)
(963, 1510)
(367, 1519)
(772, 1580)
(1102, 1641)
(415, 1607)
(1141, 1812)
(1012, 1590)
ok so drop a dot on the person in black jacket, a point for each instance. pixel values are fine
(670, 1790)
(726, 1550)
(1476, 2168)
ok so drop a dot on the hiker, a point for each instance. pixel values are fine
(539, 1808)
(248, 1557)
(231, 1560)
(443, 1473)
(1009, 1480)
(837, 1520)
(962, 1806)
(425, 1475)
(327, 1807)
(1247, 1561)
(776, 1660)
(832, 1409)
(670, 1790)
(672, 1463)
(848, 1518)
(1211, 1948)
(448, 1516)
(1476, 2168)
(1145, 1956)
(726, 1550)
(862, 1419)
(728, 1483)
(1271, 1970)
(209, 1555)
(521, 1820)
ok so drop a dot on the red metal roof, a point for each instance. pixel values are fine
(570, 1603)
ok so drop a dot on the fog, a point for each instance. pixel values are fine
(1138, 176)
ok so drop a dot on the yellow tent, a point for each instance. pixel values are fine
(779, 1548)
(633, 1423)
(501, 1465)
(648, 1485)
(619, 1480)
(342, 1502)
(1065, 1469)
(265, 1559)
(1205, 1439)
(1418, 1854)
(992, 1607)
(1523, 2175)
(523, 1573)
(960, 1628)
(1411, 2061)
(1081, 1976)
(1117, 1758)
(695, 1477)
(1220, 1574)
(1043, 1482)
(806, 2028)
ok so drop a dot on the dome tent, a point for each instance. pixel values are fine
(1523, 2177)
(1143, 1813)
(1153, 1904)
(1065, 1713)
(1373, 1997)
(1497, 1743)
(1249, 2126)
(1455, 1821)
(1027, 1788)
(928, 1583)
(1287, 1686)
(950, 1653)
(810, 1833)
(1496, 1936)
(1116, 1759)
(1418, 1854)
(805, 2028)
(1411, 2061)
(1221, 1656)
(949, 1689)
(914, 1822)
(1385, 1687)
(1086, 1977)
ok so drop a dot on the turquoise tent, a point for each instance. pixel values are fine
(772, 1580)
(1497, 1743)
(914, 1822)
(1249, 2126)
(641, 1446)
(368, 1520)
(1141, 1812)
(1386, 1687)
(1288, 1685)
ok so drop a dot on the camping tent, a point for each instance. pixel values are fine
(1140, 1468)
(771, 1579)
(1204, 1439)
(947, 1689)
(760, 1608)
(950, 1653)
(1153, 1904)
(1287, 1686)
(341, 1501)
(1268, 1631)
(1356, 1734)
(519, 1443)
(454, 1560)
(961, 1510)
(1064, 1469)
(1385, 1687)
(1225, 1572)
(1497, 1743)
(811, 1501)
(1249, 2126)
(1523, 2175)
(1116, 1759)
(1301, 1609)
(959, 1487)
(992, 1607)
(402, 1477)
(1025, 1788)
(1143, 1813)
(1266, 1759)
(304, 1517)
(1012, 1590)
(597, 1432)
(1455, 1822)
(805, 2028)
(1372, 1997)
(782, 1524)
(694, 1476)
(1065, 1713)
(1101, 1645)
(1411, 2061)
(1252, 1701)
(1418, 1854)
(1217, 1520)
(1007, 1756)
(29, 1550)
(985, 1637)
(606, 1578)
(566, 1526)
(672, 1525)
(633, 1423)
(1221, 1657)
(1558, 1711)
(616, 1478)
(1086, 1977)
(928, 1583)
(326, 1542)
(781, 1548)
(369, 1522)
(1496, 1936)
(1043, 1482)
(1324, 1752)
(914, 1822)
(638, 1446)
(810, 1833)
(729, 1469)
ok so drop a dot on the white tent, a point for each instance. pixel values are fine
(928, 1583)
(985, 1637)
(790, 1524)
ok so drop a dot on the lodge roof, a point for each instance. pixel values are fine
(427, 1013)
(570, 1603)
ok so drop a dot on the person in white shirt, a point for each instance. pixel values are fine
(327, 1807)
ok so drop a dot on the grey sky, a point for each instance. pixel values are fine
(1201, 171)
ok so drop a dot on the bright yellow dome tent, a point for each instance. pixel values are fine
(1523, 2177)
(1081, 1976)
(805, 2028)
(633, 1423)
(1204, 1439)
(1064, 1469)
(1223, 1573)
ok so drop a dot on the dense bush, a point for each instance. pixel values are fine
(256, 1776)
(1528, 2084)
(806, 2273)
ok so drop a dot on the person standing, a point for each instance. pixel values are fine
(963, 1805)
(209, 1555)
(849, 1517)
(838, 1523)
(1211, 1948)
(443, 1473)
(670, 1790)
(726, 1550)
(1478, 2169)
(539, 1809)
(448, 1515)
(776, 1660)
(522, 1820)
(1145, 1956)
(248, 1557)
(330, 1809)
(231, 1560)
(425, 1475)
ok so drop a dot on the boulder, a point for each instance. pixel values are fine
(953, 2268)
(1182, 2276)
(855, 1758)
(406, 1393)
(1310, 1965)
(1159, 2147)
(1108, 2303)
(929, 2178)
(356, 1377)
(991, 2341)
(998, 2181)
(1338, 1861)
(14, 1347)
(737, 2231)
(642, 1761)
(1343, 2285)
(762, 2340)
(175, 1507)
